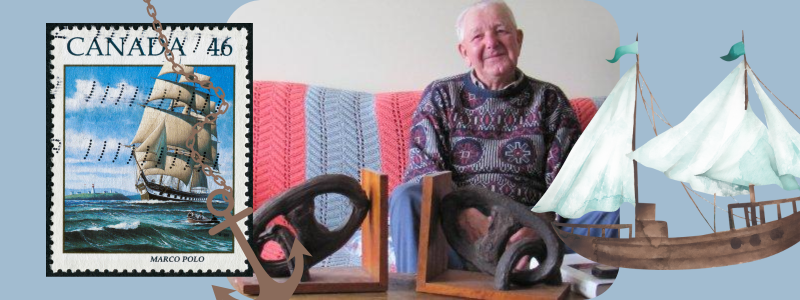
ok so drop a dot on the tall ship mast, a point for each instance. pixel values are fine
(165, 170)
(721, 149)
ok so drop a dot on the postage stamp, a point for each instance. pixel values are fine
(126, 197)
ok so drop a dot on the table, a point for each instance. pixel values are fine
(401, 286)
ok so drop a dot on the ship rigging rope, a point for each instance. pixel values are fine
(725, 210)
(652, 100)
(770, 91)
(645, 106)
(698, 208)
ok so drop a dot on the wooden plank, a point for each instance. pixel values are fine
(401, 286)
(481, 286)
(794, 206)
(779, 211)
(375, 229)
(432, 255)
(763, 217)
(730, 218)
(746, 217)
(323, 280)
(747, 204)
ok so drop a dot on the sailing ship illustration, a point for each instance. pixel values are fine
(164, 168)
(721, 148)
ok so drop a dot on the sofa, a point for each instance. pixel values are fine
(301, 131)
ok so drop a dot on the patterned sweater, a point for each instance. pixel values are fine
(511, 141)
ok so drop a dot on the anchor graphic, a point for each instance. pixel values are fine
(275, 289)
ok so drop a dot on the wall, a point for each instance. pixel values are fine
(381, 46)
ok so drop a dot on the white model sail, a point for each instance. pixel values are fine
(597, 176)
(720, 148)
(784, 139)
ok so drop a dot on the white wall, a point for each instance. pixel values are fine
(382, 46)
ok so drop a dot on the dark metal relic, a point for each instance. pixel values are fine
(489, 253)
(297, 206)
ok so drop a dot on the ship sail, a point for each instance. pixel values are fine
(200, 77)
(784, 139)
(177, 165)
(597, 176)
(167, 69)
(720, 148)
(185, 95)
(199, 178)
(151, 153)
(178, 127)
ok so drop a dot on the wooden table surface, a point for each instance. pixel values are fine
(401, 286)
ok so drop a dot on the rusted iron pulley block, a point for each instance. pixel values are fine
(489, 253)
(297, 206)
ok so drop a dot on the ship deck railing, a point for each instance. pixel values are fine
(750, 217)
(601, 226)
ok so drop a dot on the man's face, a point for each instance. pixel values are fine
(491, 44)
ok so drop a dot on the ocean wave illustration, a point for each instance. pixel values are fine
(134, 236)
(125, 225)
(121, 226)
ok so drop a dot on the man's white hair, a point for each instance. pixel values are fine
(481, 5)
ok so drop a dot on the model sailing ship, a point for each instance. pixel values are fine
(164, 167)
(721, 148)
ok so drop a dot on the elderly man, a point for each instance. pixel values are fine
(492, 127)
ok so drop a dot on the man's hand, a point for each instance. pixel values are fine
(523, 232)
(526, 232)
(474, 223)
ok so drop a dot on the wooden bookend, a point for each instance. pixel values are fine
(373, 275)
(433, 276)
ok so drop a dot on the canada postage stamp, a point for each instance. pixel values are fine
(126, 197)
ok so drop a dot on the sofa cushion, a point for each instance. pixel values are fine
(303, 131)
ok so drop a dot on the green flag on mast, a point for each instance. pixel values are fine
(736, 51)
(633, 48)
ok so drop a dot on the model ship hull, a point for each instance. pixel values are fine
(152, 191)
(696, 252)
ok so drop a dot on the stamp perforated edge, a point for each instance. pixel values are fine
(50, 97)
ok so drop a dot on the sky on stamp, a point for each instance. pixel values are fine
(114, 117)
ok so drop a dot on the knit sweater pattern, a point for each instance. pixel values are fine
(511, 141)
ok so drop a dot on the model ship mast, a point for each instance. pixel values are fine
(751, 186)
(633, 138)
